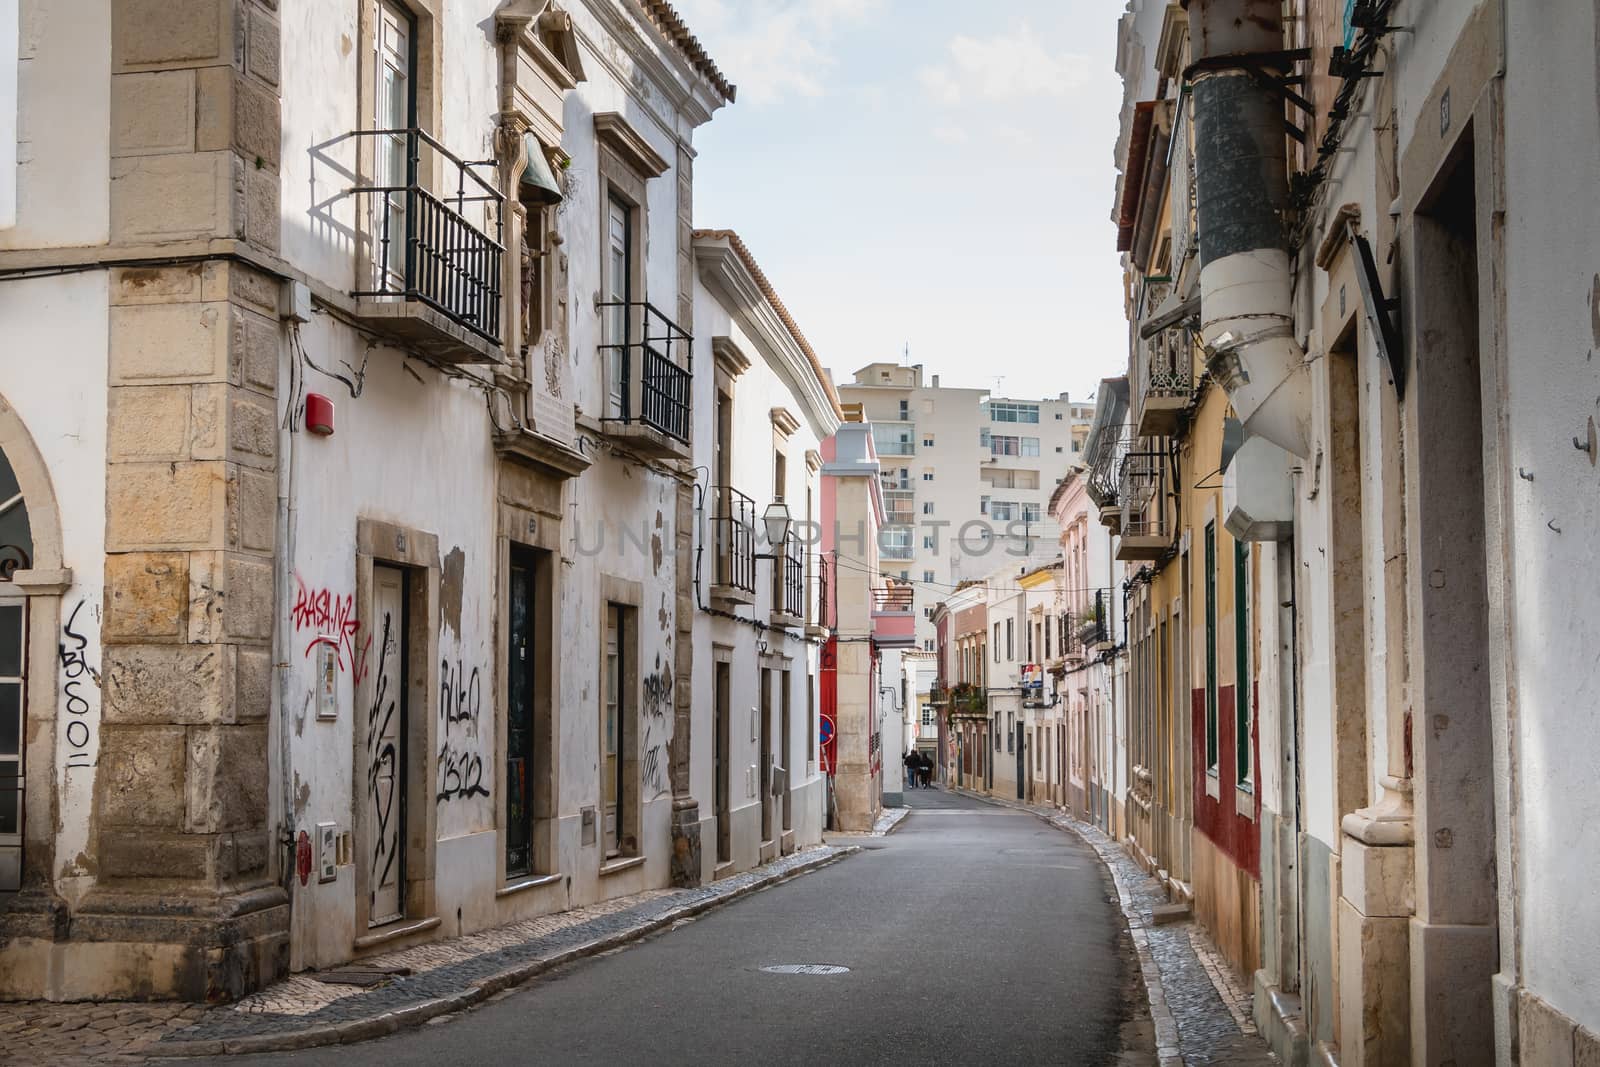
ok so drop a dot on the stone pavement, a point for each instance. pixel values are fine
(1201, 1012)
(302, 1012)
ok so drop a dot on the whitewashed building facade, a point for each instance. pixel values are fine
(350, 597)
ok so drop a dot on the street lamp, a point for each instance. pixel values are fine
(776, 520)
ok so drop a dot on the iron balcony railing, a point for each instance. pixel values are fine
(439, 249)
(792, 565)
(1090, 628)
(1167, 369)
(818, 577)
(648, 362)
(733, 534)
(1105, 468)
(1143, 494)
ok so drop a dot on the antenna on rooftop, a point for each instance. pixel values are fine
(905, 355)
(998, 378)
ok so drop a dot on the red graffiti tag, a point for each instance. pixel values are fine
(333, 618)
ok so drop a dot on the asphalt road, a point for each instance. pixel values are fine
(973, 935)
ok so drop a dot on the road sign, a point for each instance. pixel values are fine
(827, 730)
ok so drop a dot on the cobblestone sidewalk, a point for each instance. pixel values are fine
(1200, 1011)
(301, 1012)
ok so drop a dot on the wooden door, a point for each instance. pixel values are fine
(386, 732)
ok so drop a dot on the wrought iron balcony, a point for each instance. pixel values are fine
(1092, 628)
(1165, 371)
(432, 260)
(648, 363)
(1146, 533)
(789, 584)
(1104, 485)
(733, 541)
(817, 596)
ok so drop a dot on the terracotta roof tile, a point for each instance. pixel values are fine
(670, 23)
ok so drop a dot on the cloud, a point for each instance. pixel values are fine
(774, 49)
(951, 134)
(1009, 66)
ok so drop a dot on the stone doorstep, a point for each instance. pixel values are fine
(479, 991)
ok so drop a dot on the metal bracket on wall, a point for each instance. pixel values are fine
(1380, 310)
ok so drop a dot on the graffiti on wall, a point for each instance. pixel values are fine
(461, 770)
(657, 729)
(80, 682)
(383, 766)
(332, 620)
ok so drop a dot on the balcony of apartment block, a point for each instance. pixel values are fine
(732, 527)
(1166, 382)
(430, 241)
(894, 620)
(1146, 532)
(788, 585)
(1104, 483)
(894, 438)
(939, 694)
(894, 544)
(899, 507)
(648, 366)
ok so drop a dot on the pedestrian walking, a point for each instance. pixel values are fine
(925, 770)
(912, 765)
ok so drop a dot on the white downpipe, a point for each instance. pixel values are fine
(1247, 328)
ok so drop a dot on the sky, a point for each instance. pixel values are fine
(935, 174)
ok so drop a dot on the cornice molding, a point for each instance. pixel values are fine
(615, 133)
(729, 357)
(659, 63)
(784, 422)
(724, 273)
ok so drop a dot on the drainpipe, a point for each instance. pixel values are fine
(1242, 194)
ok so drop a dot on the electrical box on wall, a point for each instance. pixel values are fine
(327, 851)
(327, 678)
(294, 302)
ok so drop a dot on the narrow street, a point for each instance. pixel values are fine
(972, 934)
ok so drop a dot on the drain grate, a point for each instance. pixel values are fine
(366, 977)
(805, 968)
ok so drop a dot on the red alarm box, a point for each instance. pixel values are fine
(319, 414)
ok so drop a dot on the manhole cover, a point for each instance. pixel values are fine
(805, 968)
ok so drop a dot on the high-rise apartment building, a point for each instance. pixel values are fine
(967, 476)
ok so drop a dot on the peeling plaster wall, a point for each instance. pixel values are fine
(1552, 325)
(64, 411)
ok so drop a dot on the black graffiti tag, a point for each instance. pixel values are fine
(381, 754)
(75, 666)
(460, 700)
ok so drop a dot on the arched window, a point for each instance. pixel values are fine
(16, 553)
(16, 536)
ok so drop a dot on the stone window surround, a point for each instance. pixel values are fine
(41, 586)
(625, 163)
(383, 543)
